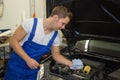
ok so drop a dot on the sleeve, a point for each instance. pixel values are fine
(27, 24)
(57, 41)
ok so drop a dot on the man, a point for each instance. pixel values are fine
(34, 38)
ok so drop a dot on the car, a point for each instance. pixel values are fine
(93, 36)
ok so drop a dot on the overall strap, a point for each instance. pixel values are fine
(52, 39)
(33, 30)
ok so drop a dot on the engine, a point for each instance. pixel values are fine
(92, 71)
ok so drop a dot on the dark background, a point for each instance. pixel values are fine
(91, 18)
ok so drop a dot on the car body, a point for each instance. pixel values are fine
(93, 35)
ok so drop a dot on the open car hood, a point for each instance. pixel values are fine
(94, 28)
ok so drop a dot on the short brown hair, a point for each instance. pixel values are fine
(61, 11)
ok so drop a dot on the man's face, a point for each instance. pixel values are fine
(61, 23)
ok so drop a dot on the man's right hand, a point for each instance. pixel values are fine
(32, 63)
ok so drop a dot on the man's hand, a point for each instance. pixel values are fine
(33, 64)
(76, 64)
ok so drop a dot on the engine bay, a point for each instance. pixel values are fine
(96, 67)
(92, 70)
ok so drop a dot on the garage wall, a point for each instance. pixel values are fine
(40, 8)
(15, 11)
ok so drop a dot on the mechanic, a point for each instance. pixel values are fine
(34, 38)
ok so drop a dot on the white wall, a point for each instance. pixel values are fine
(12, 15)
(15, 11)
(40, 8)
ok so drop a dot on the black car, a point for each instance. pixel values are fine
(93, 35)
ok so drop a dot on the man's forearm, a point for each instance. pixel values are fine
(62, 60)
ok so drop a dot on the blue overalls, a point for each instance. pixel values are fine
(17, 68)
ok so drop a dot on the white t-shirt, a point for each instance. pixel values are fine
(39, 37)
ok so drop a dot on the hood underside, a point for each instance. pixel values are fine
(94, 20)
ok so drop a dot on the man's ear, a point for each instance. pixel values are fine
(55, 17)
